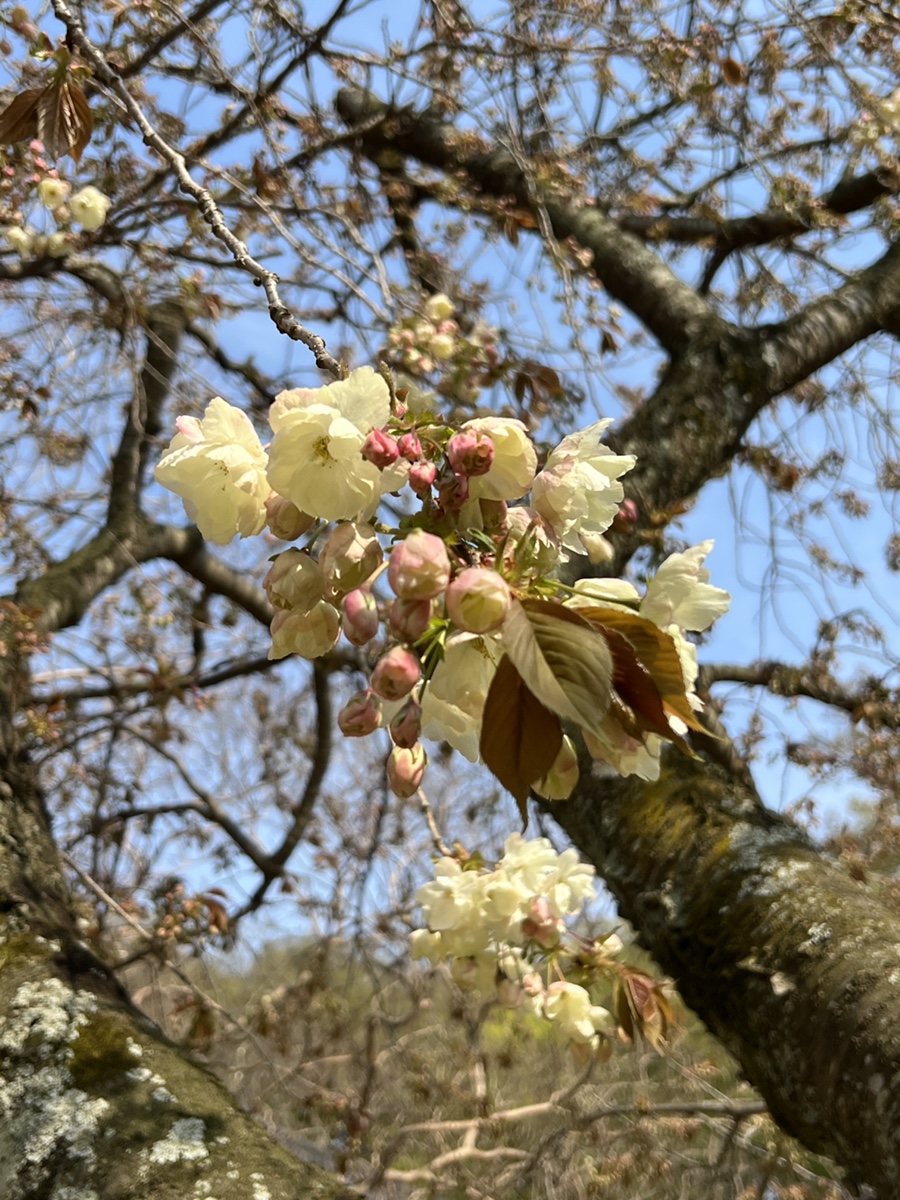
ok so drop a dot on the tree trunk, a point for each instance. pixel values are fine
(792, 964)
(95, 1104)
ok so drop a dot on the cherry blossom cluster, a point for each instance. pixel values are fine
(86, 208)
(505, 929)
(419, 345)
(426, 599)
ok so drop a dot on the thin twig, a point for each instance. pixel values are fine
(284, 320)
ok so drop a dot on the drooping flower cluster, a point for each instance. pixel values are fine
(86, 208)
(505, 929)
(463, 630)
(430, 340)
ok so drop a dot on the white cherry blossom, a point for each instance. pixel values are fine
(316, 456)
(578, 490)
(218, 468)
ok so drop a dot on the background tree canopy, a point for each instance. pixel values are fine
(682, 216)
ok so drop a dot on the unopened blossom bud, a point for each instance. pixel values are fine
(559, 782)
(307, 634)
(53, 192)
(419, 566)
(439, 307)
(360, 617)
(57, 245)
(361, 715)
(405, 769)
(409, 445)
(471, 452)
(540, 925)
(421, 477)
(626, 519)
(442, 346)
(283, 518)
(380, 449)
(477, 600)
(409, 619)
(533, 984)
(294, 581)
(406, 725)
(350, 555)
(396, 673)
(20, 239)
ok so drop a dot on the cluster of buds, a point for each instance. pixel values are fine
(423, 344)
(503, 929)
(434, 605)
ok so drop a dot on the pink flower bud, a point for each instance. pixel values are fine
(380, 449)
(396, 673)
(410, 447)
(406, 725)
(285, 520)
(419, 567)
(421, 476)
(533, 984)
(361, 715)
(409, 619)
(626, 519)
(294, 581)
(350, 555)
(360, 619)
(471, 452)
(405, 769)
(477, 600)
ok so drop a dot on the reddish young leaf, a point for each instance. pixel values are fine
(520, 738)
(64, 119)
(19, 120)
(657, 652)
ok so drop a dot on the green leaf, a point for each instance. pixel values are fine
(520, 738)
(565, 663)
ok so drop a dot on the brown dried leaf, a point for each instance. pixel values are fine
(732, 72)
(520, 738)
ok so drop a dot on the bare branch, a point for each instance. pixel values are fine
(284, 321)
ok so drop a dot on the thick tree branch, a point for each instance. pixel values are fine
(849, 195)
(872, 703)
(284, 320)
(630, 272)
